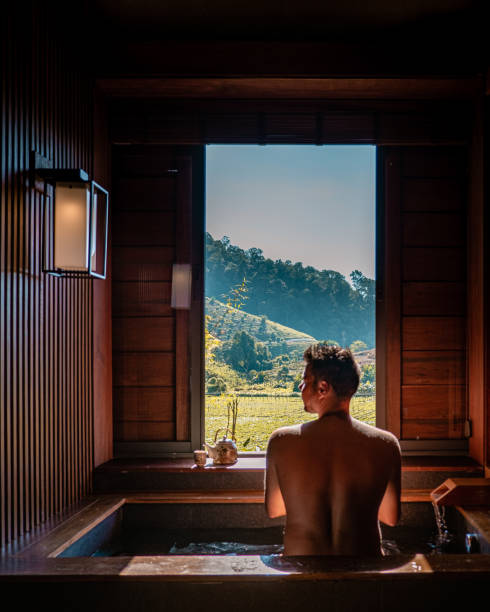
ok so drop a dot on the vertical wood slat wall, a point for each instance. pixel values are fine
(425, 199)
(46, 439)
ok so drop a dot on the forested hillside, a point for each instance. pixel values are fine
(224, 321)
(321, 303)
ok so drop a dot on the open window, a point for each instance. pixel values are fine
(289, 261)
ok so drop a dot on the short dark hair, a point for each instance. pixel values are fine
(335, 365)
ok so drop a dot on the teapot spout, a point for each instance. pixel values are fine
(211, 450)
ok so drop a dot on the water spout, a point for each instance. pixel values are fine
(443, 536)
(462, 492)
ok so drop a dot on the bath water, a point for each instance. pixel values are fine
(225, 548)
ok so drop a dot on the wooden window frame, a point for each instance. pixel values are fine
(380, 123)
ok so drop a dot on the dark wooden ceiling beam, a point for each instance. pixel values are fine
(296, 88)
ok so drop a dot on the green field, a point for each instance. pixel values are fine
(258, 417)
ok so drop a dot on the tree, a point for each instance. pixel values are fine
(358, 345)
(283, 373)
(237, 296)
(365, 287)
(210, 342)
(297, 381)
(234, 301)
(368, 373)
(263, 326)
(243, 353)
(216, 385)
(321, 303)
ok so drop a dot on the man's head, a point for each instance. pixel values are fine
(334, 365)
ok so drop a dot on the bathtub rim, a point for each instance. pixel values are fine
(39, 558)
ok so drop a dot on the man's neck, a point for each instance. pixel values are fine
(334, 408)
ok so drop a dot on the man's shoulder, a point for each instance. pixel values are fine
(377, 434)
(287, 432)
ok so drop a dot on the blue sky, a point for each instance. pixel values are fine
(304, 203)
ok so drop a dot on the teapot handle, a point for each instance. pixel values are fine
(217, 431)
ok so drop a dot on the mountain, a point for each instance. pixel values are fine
(318, 303)
(225, 320)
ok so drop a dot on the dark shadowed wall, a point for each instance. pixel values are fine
(46, 323)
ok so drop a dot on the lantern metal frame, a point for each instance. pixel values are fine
(51, 177)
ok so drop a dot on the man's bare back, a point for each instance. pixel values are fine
(333, 477)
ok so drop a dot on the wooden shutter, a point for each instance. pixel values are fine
(152, 228)
(424, 294)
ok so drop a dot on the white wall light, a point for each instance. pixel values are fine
(181, 286)
(75, 224)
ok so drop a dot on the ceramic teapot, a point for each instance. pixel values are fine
(224, 453)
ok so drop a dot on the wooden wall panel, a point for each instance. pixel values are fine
(143, 298)
(436, 162)
(142, 431)
(151, 230)
(144, 403)
(131, 228)
(143, 334)
(432, 298)
(432, 194)
(137, 263)
(46, 324)
(419, 127)
(145, 369)
(433, 333)
(433, 411)
(433, 229)
(433, 367)
(145, 193)
(429, 191)
(160, 127)
(433, 264)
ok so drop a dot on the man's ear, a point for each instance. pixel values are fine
(323, 387)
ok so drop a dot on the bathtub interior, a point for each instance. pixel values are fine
(237, 529)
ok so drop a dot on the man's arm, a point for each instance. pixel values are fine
(389, 509)
(274, 502)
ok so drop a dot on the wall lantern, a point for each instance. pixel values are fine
(181, 286)
(75, 224)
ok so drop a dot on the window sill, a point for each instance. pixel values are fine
(257, 463)
(420, 475)
(179, 465)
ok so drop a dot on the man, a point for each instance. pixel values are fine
(333, 477)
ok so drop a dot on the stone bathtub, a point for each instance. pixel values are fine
(64, 568)
(170, 524)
